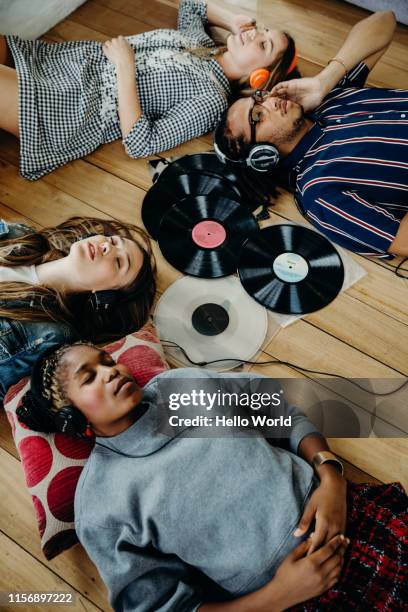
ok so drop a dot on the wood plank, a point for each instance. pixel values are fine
(18, 523)
(6, 437)
(385, 459)
(21, 573)
(8, 214)
(353, 473)
(69, 30)
(154, 13)
(112, 157)
(45, 203)
(305, 345)
(106, 21)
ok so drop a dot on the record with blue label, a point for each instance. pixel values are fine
(165, 193)
(291, 269)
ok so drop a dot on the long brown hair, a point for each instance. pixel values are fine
(39, 303)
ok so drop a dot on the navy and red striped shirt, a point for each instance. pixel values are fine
(352, 166)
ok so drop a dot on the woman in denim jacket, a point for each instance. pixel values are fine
(86, 278)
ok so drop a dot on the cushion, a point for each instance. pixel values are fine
(52, 463)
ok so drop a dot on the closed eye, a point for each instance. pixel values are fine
(89, 378)
(114, 241)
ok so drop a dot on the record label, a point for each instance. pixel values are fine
(290, 267)
(210, 319)
(209, 234)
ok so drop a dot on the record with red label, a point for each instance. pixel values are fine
(202, 235)
(291, 269)
(164, 193)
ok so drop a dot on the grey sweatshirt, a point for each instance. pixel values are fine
(179, 520)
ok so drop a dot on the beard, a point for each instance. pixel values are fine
(297, 125)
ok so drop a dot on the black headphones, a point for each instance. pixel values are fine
(35, 409)
(262, 156)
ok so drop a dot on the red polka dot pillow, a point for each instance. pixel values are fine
(52, 463)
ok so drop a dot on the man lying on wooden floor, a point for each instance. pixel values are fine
(342, 148)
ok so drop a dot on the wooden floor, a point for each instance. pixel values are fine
(363, 333)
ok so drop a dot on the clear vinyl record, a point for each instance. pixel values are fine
(210, 320)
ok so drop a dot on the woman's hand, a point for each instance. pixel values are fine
(241, 23)
(302, 576)
(327, 506)
(118, 51)
(308, 92)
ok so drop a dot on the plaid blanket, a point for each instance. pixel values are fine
(375, 571)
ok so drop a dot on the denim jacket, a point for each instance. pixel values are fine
(21, 342)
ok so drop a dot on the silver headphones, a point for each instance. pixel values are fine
(261, 157)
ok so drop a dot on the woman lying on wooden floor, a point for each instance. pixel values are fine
(202, 523)
(154, 90)
(85, 278)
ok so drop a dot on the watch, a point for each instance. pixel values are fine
(327, 457)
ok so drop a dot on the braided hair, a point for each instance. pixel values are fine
(47, 397)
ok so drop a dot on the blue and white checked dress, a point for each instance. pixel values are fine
(352, 167)
(68, 94)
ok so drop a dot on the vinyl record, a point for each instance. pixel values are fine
(200, 162)
(163, 194)
(202, 235)
(291, 269)
(210, 320)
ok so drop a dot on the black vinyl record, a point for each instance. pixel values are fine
(202, 235)
(291, 269)
(163, 194)
(200, 162)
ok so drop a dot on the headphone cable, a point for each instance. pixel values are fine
(172, 344)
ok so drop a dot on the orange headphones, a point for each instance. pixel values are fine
(259, 78)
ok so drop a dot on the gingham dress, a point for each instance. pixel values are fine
(68, 94)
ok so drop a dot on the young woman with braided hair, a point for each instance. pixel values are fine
(85, 278)
(191, 522)
(153, 90)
